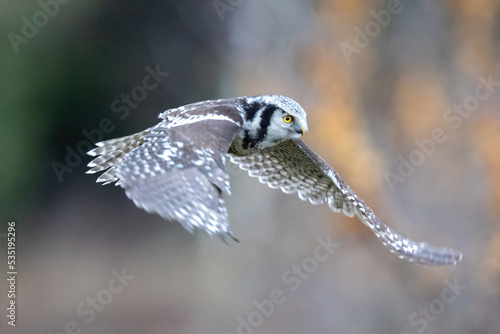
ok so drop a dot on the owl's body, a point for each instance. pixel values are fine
(177, 168)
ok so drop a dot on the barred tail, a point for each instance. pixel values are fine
(111, 153)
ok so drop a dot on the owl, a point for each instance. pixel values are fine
(177, 168)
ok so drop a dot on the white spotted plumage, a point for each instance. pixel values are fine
(177, 168)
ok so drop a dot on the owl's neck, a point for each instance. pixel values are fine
(253, 135)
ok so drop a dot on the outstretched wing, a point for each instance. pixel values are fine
(177, 168)
(294, 167)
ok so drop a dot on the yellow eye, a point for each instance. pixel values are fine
(287, 118)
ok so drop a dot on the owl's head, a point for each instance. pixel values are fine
(274, 118)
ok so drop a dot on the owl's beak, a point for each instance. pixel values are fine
(300, 127)
(300, 130)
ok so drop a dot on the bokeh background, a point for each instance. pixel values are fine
(375, 78)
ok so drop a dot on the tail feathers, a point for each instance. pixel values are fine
(111, 153)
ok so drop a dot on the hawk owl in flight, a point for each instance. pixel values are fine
(177, 167)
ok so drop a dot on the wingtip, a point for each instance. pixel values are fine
(448, 257)
(457, 257)
(93, 152)
(234, 238)
(223, 236)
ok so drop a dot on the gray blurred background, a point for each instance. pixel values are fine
(376, 78)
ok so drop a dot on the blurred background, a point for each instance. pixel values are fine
(403, 101)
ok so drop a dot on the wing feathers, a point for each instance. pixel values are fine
(111, 153)
(293, 167)
(176, 168)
